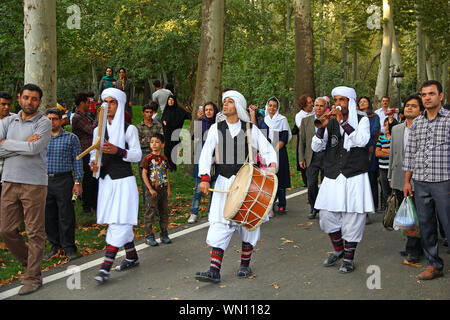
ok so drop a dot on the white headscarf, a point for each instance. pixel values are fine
(116, 130)
(240, 104)
(349, 93)
(278, 122)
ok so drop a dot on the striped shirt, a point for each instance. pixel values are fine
(383, 143)
(62, 151)
(427, 152)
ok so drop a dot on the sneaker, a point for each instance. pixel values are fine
(127, 264)
(332, 259)
(244, 272)
(165, 239)
(282, 211)
(430, 273)
(101, 277)
(192, 218)
(150, 241)
(208, 276)
(346, 267)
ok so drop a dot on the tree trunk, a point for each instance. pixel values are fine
(385, 58)
(344, 51)
(40, 48)
(444, 81)
(396, 61)
(304, 55)
(210, 60)
(322, 51)
(421, 59)
(287, 29)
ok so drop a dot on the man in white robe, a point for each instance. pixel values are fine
(118, 197)
(221, 230)
(345, 196)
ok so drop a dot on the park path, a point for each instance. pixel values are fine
(287, 263)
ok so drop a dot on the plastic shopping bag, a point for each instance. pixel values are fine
(406, 217)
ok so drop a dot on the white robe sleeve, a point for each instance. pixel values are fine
(265, 148)
(206, 156)
(361, 136)
(134, 152)
(318, 144)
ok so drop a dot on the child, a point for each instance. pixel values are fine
(156, 179)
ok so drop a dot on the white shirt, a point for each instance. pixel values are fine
(302, 114)
(161, 97)
(381, 113)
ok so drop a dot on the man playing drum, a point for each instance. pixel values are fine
(229, 140)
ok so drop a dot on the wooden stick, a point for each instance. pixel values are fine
(224, 191)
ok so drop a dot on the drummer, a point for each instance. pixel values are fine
(228, 138)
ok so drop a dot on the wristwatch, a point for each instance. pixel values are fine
(77, 182)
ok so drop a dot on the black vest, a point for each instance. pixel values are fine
(338, 160)
(114, 165)
(231, 157)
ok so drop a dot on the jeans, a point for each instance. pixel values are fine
(432, 198)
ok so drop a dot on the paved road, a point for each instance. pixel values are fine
(287, 263)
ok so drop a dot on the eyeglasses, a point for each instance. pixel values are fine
(53, 119)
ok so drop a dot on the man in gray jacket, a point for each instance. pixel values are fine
(396, 175)
(23, 143)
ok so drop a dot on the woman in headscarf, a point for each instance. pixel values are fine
(126, 85)
(210, 111)
(276, 128)
(107, 81)
(172, 119)
(365, 105)
(118, 197)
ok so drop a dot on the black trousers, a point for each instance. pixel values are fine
(59, 213)
(312, 175)
(385, 188)
(432, 200)
(90, 187)
(413, 244)
(373, 178)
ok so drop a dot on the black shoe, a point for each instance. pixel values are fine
(403, 253)
(282, 211)
(332, 259)
(101, 277)
(346, 267)
(412, 259)
(127, 264)
(165, 239)
(312, 214)
(70, 255)
(244, 272)
(208, 276)
(52, 252)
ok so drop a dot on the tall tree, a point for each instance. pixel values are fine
(304, 55)
(386, 50)
(210, 59)
(40, 48)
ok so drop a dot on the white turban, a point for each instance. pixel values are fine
(240, 104)
(116, 130)
(349, 93)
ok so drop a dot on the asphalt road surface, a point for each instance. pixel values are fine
(287, 265)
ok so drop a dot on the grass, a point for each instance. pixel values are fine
(90, 237)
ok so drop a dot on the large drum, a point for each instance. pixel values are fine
(251, 197)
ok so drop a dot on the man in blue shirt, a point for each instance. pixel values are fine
(59, 211)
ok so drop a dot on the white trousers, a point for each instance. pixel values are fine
(351, 224)
(119, 234)
(219, 235)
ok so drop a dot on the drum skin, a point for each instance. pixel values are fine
(250, 203)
